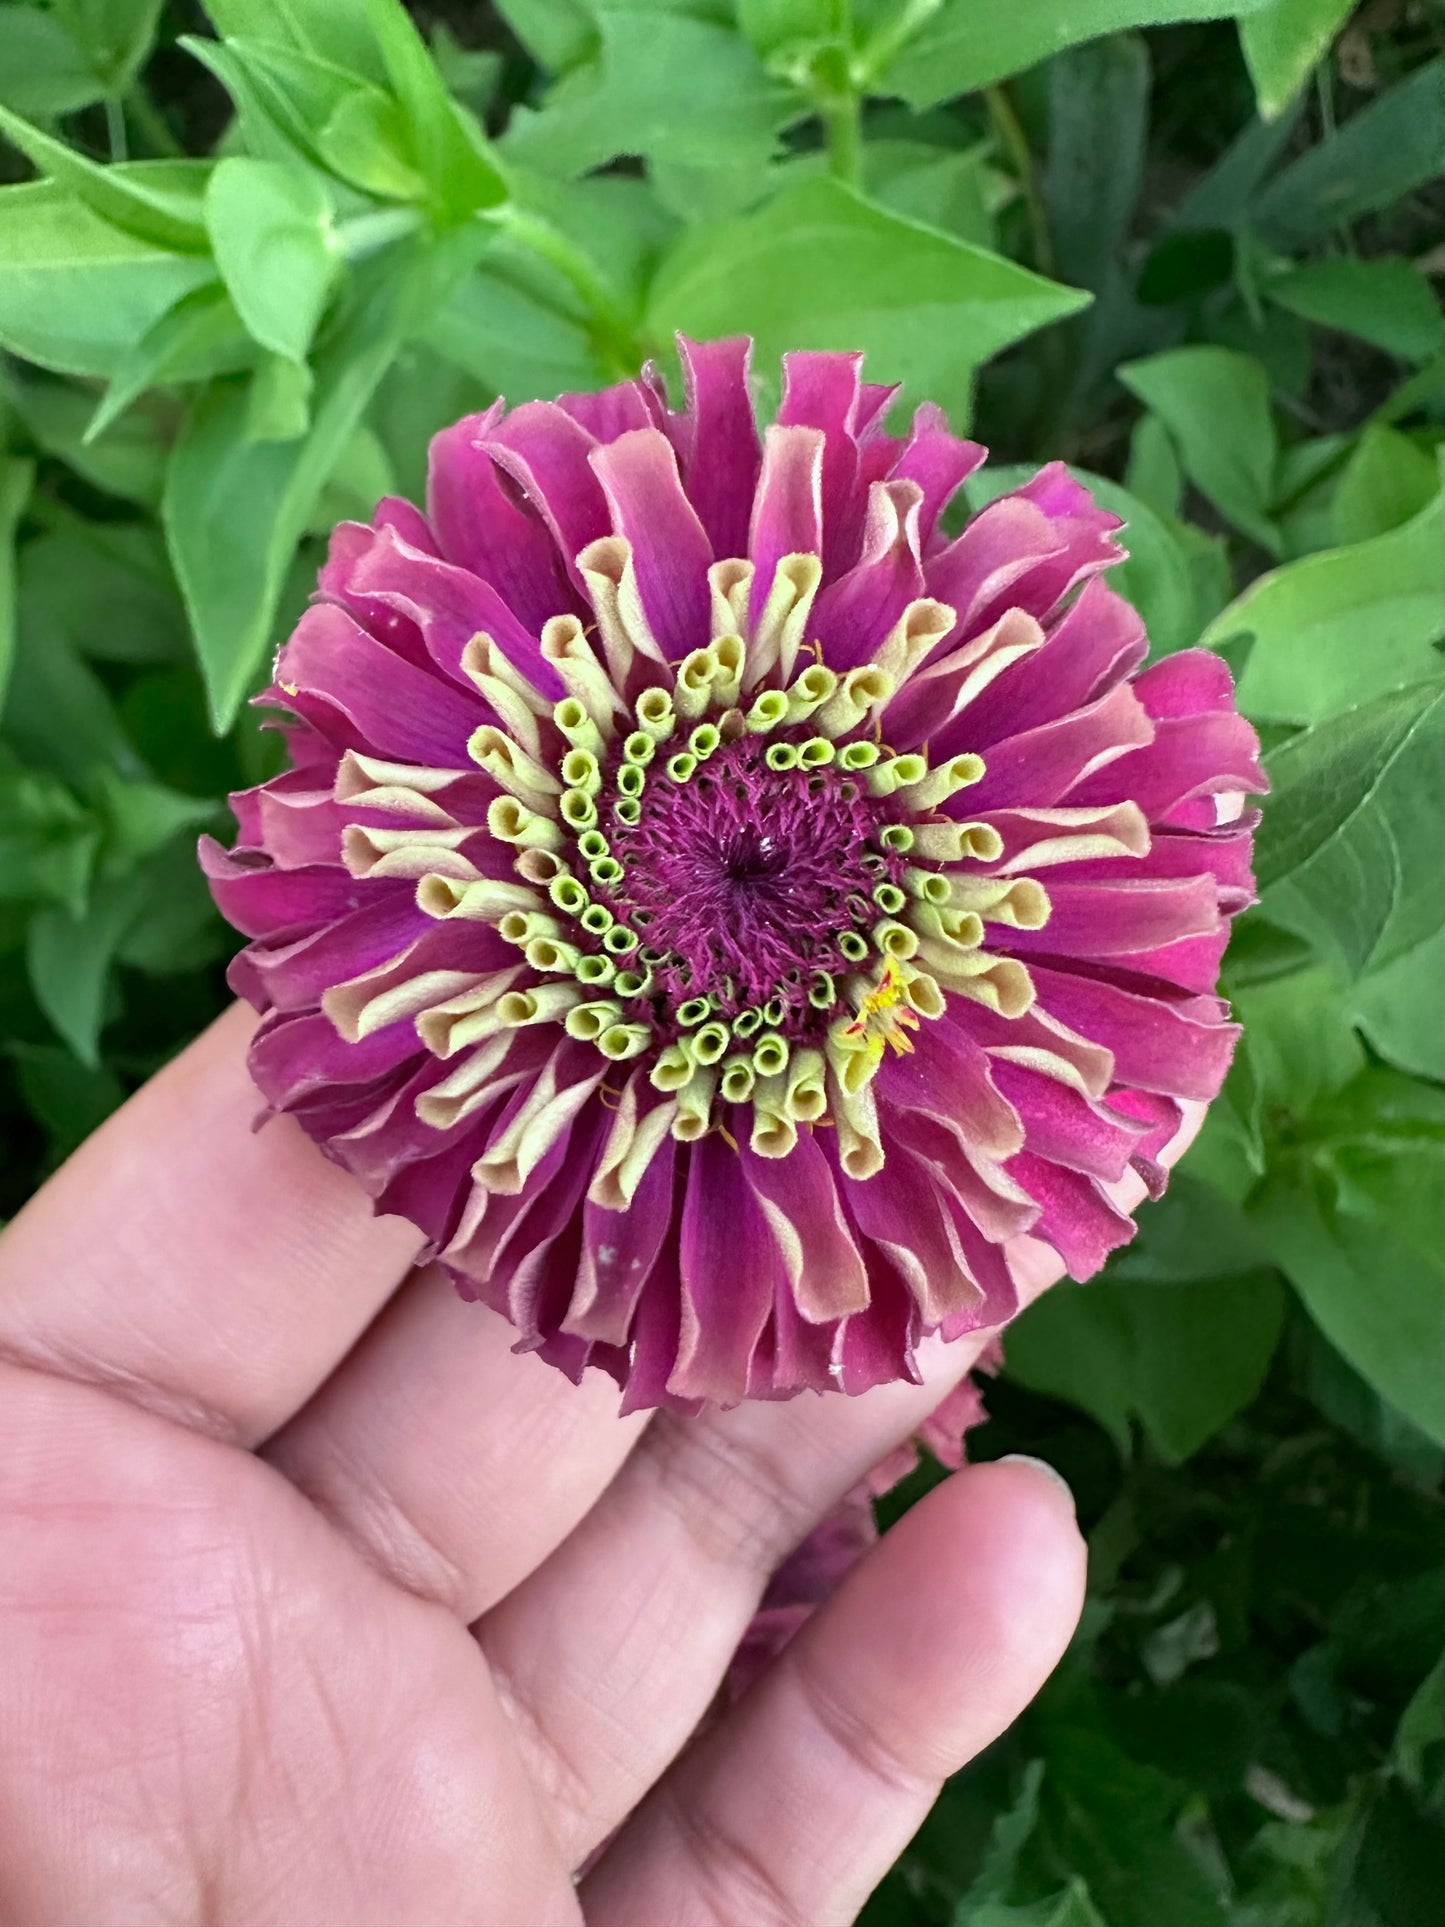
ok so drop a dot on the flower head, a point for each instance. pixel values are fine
(719, 908)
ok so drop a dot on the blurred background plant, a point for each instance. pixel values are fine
(251, 258)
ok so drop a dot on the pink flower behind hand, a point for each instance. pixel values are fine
(719, 909)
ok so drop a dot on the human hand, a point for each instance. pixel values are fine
(319, 1605)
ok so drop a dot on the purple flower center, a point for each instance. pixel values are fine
(753, 886)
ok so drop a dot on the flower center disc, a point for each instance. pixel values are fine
(744, 880)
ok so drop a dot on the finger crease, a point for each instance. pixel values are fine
(563, 1784)
(732, 1498)
(850, 1730)
(736, 1881)
(196, 1415)
(372, 1518)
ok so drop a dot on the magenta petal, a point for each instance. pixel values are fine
(718, 439)
(655, 1333)
(953, 1083)
(1189, 683)
(1063, 1126)
(260, 900)
(823, 391)
(387, 581)
(1179, 1047)
(483, 527)
(1224, 853)
(670, 549)
(294, 1054)
(728, 1261)
(612, 411)
(365, 697)
(1095, 645)
(858, 609)
(1114, 919)
(906, 1223)
(619, 1250)
(939, 461)
(787, 514)
(1076, 1219)
(546, 454)
(800, 1196)
(295, 974)
(1190, 757)
(1048, 765)
(981, 569)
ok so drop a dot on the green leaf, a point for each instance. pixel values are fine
(69, 1098)
(1299, 1043)
(1283, 42)
(1215, 404)
(1326, 777)
(1385, 300)
(1388, 1870)
(559, 34)
(1398, 1008)
(155, 201)
(199, 337)
(270, 229)
(1335, 629)
(48, 841)
(338, 31)
(1184, 1358)
(234, 509)
(1007, 1837)
(1374, 889)
(131, 463)
(510, 341)
(1421, 1728)
(16, 479)
(1227, 192)
(75, 292)
(43, 71)
(1098, 123)
(69, 958)
(956, 189)
(1377, 1299)
(1381, 154)
(106, 588)
(116, 34)
(821, 267)
(1387, 481)
(336, 118)
(668, 82)
(58, 713)
(451, 152)
(962, 46)
(176, 928)
(141, 817)
(1070, 1908)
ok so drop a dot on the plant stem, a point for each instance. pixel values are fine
(612, 329)
(151, 123)
(367, 234)
(842, 118)
(115, 129)
(892, 36)
(1014, 142)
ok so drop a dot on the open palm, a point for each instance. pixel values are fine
(318, 1605)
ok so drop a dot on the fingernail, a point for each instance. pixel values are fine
(1050, 1472)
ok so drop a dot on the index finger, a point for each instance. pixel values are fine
(204, 1268)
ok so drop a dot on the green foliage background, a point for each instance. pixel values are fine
(249, 261)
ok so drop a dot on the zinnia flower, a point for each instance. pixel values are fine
(718, 908)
